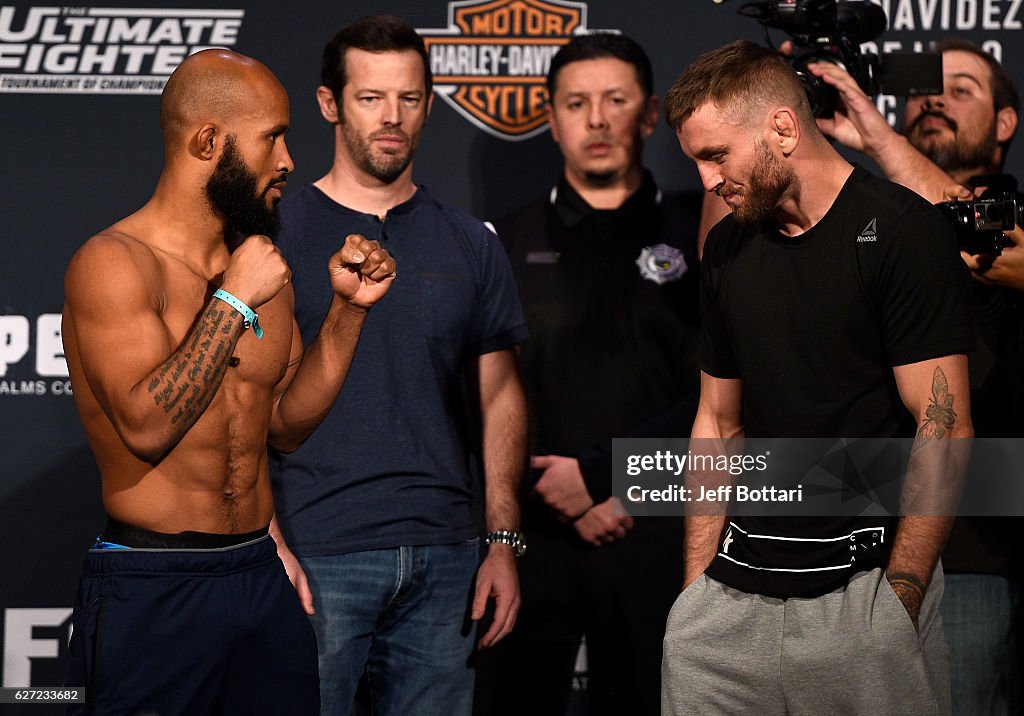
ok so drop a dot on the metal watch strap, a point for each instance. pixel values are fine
(512, 539)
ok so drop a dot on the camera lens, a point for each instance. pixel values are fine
(860, 21)
(990, 213)
(961, 214)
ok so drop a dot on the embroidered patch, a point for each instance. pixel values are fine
(661, 263)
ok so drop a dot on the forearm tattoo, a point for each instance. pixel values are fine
(189, 379)
(910, 589)
(940, 417)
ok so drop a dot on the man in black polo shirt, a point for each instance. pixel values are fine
(834, 305)
(607, 272)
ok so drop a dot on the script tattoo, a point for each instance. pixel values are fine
(939, 416)
(189, 379)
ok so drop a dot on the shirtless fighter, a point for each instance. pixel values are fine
(184, 605)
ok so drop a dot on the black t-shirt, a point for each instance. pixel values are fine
(813, 326)
(611, 300)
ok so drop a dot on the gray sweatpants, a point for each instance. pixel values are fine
(853, 651)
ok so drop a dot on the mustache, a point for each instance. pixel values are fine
(934, 113)
(390, 133)
(281, 179)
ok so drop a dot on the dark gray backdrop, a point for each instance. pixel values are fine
(74, 163)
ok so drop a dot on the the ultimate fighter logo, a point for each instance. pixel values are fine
(491, 61)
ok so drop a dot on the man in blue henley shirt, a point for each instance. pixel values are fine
(378, 503)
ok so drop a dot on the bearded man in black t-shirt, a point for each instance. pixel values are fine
(834, 304)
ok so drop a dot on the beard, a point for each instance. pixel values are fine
(769, 180)
(958, 153)
(388, 164)
(233, 191)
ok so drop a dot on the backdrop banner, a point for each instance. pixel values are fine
(79, 104)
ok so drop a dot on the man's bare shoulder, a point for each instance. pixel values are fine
(117, 264)
(114, 250)
(127, 238)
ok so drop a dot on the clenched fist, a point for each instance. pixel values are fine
(256, 272)
(361, 272)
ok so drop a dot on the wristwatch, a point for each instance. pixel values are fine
(512, 539)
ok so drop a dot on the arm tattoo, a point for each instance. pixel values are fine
(187, 381)
(910, 589)
(939, 416)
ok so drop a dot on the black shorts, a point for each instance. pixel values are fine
(192, 631)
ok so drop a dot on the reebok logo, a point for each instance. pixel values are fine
(868, 232)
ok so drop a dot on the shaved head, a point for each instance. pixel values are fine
(213, 85)
(224, 116)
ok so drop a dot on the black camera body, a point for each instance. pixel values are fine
(832, 31)
(979, 224)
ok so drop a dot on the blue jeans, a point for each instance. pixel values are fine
(401, 617)
(979, 612)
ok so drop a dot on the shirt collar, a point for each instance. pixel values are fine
(572, 208)
(420, 196)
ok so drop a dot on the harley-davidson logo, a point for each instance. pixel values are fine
(491, 62)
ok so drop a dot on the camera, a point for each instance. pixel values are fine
(979, 224)
(832, 31)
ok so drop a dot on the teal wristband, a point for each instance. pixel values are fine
(252, 319)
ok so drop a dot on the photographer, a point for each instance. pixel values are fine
(946, 142)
